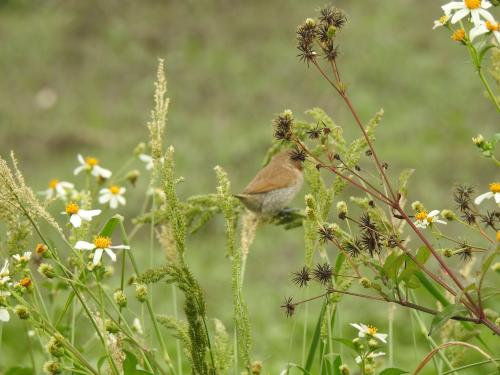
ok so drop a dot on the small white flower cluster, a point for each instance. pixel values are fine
(476, 11)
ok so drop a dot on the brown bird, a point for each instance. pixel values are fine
(274, 186)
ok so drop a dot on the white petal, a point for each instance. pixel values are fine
(122, 191)
(121, 200)
(478, 30)
(358, 359)
(4, 315)
(382, 337)
(105, 198)
(433, 213)
(145, 158)
(111, 254)
(120, 247)
(459, 15)
(375, 355)
(84, 245)
(99, 171)
(482, 197)
(485, 4)
(113, 202)
(81, 160)
(97, 256)
(439, 221)
(88, 214)
(497, 197)
(79, 169)
(447, 8)
(75, 220)
(497, 36)
(476, 20)
(486, 15)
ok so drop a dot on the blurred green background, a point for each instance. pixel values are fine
(77, 76)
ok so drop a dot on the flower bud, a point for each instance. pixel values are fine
(140, 149)
(309, 213)
(22, 312)
(365, 283)
(310, 201)
(372, 344)
(344, 370)
(342, 210)
(110, 326)
(133, 176)
(496, 267)
(358, 344)
(141, 292)
(109, 271)
(55, 347)
(25, 282)
(310, 22)
(448, 215)
(46, 270)
(52, 368)
(497, 322)
(479, 140)
(41, 248)
(417, 206)
(120, 298)
(448, 253)
(256, 368)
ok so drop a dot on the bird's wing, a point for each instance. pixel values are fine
(268, 179)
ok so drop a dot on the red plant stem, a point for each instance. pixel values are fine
(438, 258)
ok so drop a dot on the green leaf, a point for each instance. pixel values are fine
(130, 363)
(482, 53)
(110, 225)
(294, 365)
(392, 265)
(345, 342)
(422, 256)
(336, 365)
(316, 338)
(19, 371)
(445, 315)
(431, 288)
(393, 371)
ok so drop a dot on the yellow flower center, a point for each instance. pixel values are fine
(372, 330)
(91, 162)
(102, 242)
(422, 215)
(26, 282)
(472, 4)
(40, 248)
(498, 236)
(458, 35)
(72, 208)
(53, 183)
(495, 187)
(114, 189)
(492, 26)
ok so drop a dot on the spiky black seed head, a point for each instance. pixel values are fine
(491, 219)
(326, 130)
(330, 51)
(366, 222)
(314, 133)
(298, 155)
(302, 277)
(283, 126)
(307, 53)
(368, 153)
(469, 217)
(289, 306)
(465, 252)
(353, 248)
(332, 16)
(393, 241)
(323, 273)
(326, 234)
(462, 195)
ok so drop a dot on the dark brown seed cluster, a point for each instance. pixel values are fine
(298, 155)
(283, 126)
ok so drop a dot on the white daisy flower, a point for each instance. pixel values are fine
(364, 330)
(4, 313)
(423, 219)
(77, 215)
(473, 8)
(113, 195)
(4, 273)
(25, 258)
(58, 189)
(100, 245)
(486, 27)
(493, 193)
(370, 356)
(441, 21)
(91, 165)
